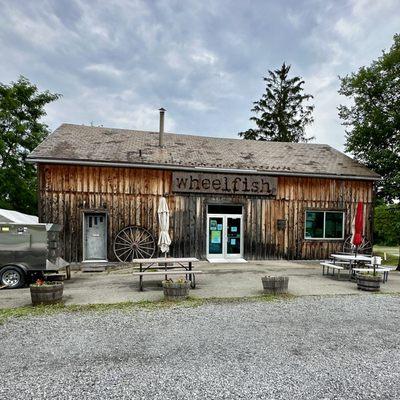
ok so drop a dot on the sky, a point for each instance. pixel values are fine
(116, 62)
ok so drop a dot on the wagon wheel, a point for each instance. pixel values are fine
(364, 248)
(134, 242)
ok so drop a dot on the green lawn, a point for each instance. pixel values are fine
(392, 254)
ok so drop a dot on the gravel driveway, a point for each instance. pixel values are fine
(308, 348)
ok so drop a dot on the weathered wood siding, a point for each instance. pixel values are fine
(130, 197)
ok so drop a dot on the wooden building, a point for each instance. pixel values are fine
(229, 199)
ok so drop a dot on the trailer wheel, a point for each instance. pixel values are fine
(12, 277)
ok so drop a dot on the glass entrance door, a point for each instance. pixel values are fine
(224, 236)
(233, 236)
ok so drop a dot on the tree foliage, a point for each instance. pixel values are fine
(373, 119)
(387, 224)
(281, 115)
(21, 130)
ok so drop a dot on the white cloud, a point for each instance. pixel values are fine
(294, 18)
(346, 28)
(104, 69)
(36, 27)
(195, 105)
(204, 57)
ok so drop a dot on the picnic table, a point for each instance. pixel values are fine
(165, 265)
(353, 263)
(341, 262)
(351, 258)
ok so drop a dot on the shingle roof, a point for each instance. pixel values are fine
(85, 144)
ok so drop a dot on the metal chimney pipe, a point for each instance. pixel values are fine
(161, 132)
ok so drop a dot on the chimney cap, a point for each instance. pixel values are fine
(162, 109)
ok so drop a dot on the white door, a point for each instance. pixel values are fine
(224, 236)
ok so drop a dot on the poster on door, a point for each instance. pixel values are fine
(215, 237)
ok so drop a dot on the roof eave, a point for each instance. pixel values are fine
(39, 160)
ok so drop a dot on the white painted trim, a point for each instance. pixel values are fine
(226, 261)
(224, 255)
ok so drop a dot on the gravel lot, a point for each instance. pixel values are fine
(309, 348)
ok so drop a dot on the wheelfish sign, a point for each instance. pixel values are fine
(188, 182)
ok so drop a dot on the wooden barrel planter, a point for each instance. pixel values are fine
(275, 284)
(50, 293)
(369, 283)
(176, 290)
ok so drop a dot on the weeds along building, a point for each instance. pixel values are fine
(229, 199)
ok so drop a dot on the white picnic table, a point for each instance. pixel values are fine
(341, 262)
(353, 261)
(351, 257)
(165, 265)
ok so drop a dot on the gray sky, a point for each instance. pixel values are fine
(117, 61)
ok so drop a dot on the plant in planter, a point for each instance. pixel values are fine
(43, 292)
(178, 290)
(275, 284)
(370, 282)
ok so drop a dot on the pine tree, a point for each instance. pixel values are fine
(281, 115)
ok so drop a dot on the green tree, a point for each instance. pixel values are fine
(21, 130)
(387, 225)
(281, 115)
(373, 119)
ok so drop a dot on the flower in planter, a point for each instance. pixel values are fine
(176, 290)
(44, 292)
(180, 281)
(42, 282)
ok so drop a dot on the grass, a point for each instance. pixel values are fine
(7, 313)
(392, 254)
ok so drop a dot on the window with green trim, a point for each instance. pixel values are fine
(324, 225)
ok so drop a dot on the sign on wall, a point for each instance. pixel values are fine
(197, 182)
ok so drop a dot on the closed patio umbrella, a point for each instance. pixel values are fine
(357, 226)
(163, 218)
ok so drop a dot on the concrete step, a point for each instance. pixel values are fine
(93, 268)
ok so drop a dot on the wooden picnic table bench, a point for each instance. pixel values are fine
(333, 267)
(166, 273)
(165, 265)
(380, 270)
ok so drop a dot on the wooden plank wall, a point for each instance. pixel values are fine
(130, 197)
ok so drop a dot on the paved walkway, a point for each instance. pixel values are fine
(220, 280)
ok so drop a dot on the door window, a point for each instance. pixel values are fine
(215, 235)
(233, 235)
